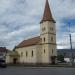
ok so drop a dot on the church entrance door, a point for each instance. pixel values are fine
(15, 61)
(53, 59)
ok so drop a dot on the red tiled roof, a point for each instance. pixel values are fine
(47, 16)
(3, 49)
(29, 42)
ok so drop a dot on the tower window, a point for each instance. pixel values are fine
(43, 29)
(51, 38)
(32, 53)
(44, 39)
(52, 28)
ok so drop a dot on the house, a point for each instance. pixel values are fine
(40, 49)
(11, 57)
(3, 52)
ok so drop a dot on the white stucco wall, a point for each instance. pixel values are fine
(39, 54)
(49, 45)
(9, 59)
(28, 58)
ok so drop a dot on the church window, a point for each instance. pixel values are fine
(32, 53)
(52, 51)
(52, 28)
(44, 39)
(44, 50)
(51, 38)
(26, 53)
(43, 29)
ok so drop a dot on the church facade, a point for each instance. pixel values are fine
(40, 49)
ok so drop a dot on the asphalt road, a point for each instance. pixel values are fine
(36, 71)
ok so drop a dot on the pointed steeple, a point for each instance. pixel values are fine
(47, 16)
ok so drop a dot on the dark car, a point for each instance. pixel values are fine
(3, 63)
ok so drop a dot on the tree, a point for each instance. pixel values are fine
(60, 58)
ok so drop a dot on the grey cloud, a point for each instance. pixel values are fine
(16, 16)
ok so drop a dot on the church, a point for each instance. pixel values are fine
(40, 49)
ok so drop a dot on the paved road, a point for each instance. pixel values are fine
(37, 71)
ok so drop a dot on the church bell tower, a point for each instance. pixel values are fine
(48, 36)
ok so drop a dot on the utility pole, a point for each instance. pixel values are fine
(71, 45)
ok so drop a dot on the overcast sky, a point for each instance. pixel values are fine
(20, 19)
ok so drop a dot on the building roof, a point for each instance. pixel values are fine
(3, 49)
(29, 42)
(47, 16)
(37, 40)
(13, 53)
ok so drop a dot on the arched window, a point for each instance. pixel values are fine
(52, 28)
(51, 38)
(32, 53)
(44, 39)
(43, 29)
(26, 53)
(44, 50)
(52, 51)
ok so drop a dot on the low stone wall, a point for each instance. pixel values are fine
(31, 64)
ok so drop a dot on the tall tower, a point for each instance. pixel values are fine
(48, 36)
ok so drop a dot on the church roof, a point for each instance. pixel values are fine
(47, 16)
(13, 53)
(29, 42)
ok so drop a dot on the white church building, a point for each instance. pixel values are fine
(39, 49)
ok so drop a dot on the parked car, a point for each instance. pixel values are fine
(3, 63)
(3, 60)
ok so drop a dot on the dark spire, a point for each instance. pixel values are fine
(47, 16)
